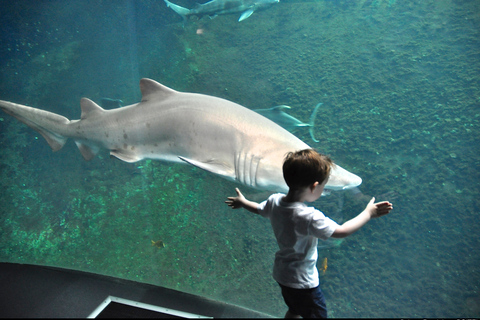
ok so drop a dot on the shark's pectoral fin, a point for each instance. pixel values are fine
(246, 14)
(213, 167)
(125, 155)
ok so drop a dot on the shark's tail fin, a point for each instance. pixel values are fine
(43, 122)
(312, 120)
(184, 12)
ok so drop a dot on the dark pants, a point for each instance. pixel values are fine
(308, 303)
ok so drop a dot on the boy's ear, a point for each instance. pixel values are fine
(314, 185)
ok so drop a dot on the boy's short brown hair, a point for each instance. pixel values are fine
(305, 167)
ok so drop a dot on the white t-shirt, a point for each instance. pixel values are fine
(297, 228)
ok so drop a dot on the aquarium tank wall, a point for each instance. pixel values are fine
(399, 83)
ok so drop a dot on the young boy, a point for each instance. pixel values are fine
(297, 228)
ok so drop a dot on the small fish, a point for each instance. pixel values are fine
(159, 244)
(324, 266)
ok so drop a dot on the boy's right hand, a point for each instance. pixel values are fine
(241, 202)
(236, 202)
(378, 209)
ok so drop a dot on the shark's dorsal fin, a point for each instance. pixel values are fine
(150, 88)
(88, 107)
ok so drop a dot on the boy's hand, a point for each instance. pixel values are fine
(372, 210)
(378, 209)
(241, 202)
(236, 202)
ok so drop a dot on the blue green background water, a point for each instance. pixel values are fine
(400, 85)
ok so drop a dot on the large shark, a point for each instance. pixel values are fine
(216, 7)
(210, 133)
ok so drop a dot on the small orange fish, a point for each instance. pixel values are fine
(159, 244)
(324, 266)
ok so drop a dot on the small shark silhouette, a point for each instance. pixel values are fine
(216, 7)
(111, 103)
(280, 117)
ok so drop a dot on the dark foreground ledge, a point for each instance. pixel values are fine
(29, 291)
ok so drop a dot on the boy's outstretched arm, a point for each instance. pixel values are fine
(373, 210)
(241, 202)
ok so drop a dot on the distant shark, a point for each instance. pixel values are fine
(210, 133)
(111, 103)
(217, 7)
(280, 117)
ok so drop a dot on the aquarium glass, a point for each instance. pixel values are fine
(399, 82)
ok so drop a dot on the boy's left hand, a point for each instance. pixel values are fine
(378, 209)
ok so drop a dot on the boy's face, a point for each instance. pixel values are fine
(316, 191)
